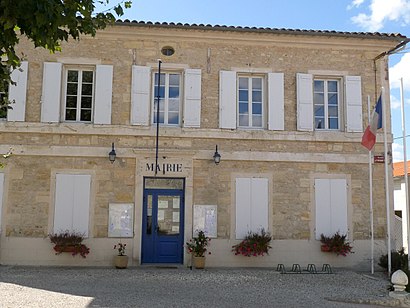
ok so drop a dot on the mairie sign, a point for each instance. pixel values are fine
(164, 167)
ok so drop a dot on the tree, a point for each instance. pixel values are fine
(47, 23)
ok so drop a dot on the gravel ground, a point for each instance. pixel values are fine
(181, 287)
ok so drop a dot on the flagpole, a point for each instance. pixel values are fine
(157, 115)
(386, 178)
(406, 178)
(371, 195)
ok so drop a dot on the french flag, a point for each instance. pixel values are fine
(369, 136)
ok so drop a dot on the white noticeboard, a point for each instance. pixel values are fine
(205, 219)
(120, 220)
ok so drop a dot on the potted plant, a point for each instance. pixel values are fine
(254, 244)
(336, 243)
(121, 260)
(197, 247)
(69, 241)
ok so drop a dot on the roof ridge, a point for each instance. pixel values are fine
(260, 29)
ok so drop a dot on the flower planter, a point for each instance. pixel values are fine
(121, 261)
(325, 248)
(198, 262)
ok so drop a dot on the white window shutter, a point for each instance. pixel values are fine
(243, 210)
(304, 84)
(1, 195)
(81, 205)
(103, 94)
(64, 198)
(259, 204)
(323, 208)
(50, 107)
(276, 102)
(192, 98)
(227, 99)
(72, 203)
(18, 93)
(354, 112)
(338, 193)
(140, 95)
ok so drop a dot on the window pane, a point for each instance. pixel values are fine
(86, 101)
(256, 83)
(85, 115)
(243, 120)
(72, 88)
(173, 118)
(87, 89)
(174, 79)
(333, 112)
(318, 98)
(162, 81)
(72, 76)
(70, 114)
(257, 108)
(161, 105)
(88, 76)
(257, 121)
(243, 108)
(256, 96)
(161, 117)
(319, 123)
(332, 86)
(333, 123)
(319, 86)
(332, 99)
(71, 101)
(161, 92)
(319, 111)
(243, 83)
(173, 105)
(243, 95)
(173, 92)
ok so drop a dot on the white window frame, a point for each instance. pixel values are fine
(80, 69)
(166, 99)
(326, 103)
(250, 115)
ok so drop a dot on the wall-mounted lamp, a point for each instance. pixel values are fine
(112, 154)
(217, 156)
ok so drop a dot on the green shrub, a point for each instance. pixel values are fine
(399, 260)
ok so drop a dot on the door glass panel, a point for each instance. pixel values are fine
(168, 215)
(149, 214)
(164, 183)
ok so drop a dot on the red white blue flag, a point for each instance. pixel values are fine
(369, 136)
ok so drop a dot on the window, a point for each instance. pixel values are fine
(326, 103)
(250, 102)
(169, 98)
(85, 93)
(331, 206)
(4, 103)
(72, 203)
(253, 101)
(252, 203)
(79, 94)
(333, 103)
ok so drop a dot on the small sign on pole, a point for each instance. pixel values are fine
(378, 159)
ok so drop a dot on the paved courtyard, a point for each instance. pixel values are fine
(181, 287)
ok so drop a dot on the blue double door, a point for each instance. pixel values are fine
(163, 226)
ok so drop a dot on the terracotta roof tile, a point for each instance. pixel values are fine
(398, 169)
(378, 35)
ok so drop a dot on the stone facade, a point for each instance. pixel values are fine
(290, 159)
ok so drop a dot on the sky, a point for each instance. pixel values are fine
(387, 16)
